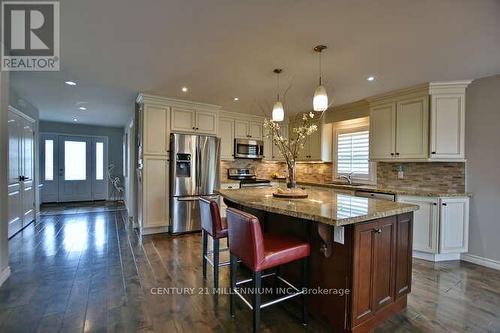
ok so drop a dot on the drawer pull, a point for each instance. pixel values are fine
(378, 231)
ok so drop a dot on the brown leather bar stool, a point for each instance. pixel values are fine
(212, 224)
(259, 252)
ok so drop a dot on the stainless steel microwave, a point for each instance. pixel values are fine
(245, 148)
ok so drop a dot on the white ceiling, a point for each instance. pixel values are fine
(222, 49)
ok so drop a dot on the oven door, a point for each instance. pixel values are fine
(244, 148)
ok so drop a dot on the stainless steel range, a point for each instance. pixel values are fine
(247, 177)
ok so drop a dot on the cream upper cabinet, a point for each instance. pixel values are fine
(206, 122)
(318, 146)
(454, 226)
(255, 130)
(314, 143)
(425, 223)
(383, 132)
(183, 120)
(194, 121)
(156, 134)
(447, 126)
(276, 154)
(226, 135)
(241, 129)
(412, 124)
(245, 129)
(423, 123)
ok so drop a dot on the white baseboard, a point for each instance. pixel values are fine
(4, 275)
(490, 263)
(436, 257)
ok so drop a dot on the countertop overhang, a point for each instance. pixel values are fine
(325, 206)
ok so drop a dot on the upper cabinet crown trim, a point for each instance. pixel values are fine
(173, 102)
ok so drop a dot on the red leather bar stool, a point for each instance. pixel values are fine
(260, 251)
(212, 224)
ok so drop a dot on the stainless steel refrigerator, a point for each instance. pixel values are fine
(194, 173)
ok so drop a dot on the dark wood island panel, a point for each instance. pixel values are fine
(373, 267)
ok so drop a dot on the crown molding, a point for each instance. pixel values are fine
(414, 90)
(169, 102)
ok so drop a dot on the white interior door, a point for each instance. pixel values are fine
(75, 172)
(28, 167)
(15, 217)
(21, 183)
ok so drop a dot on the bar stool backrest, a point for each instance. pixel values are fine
(245, 237)
(211, 220)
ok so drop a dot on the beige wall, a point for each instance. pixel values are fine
(4, 102)
(483, 166)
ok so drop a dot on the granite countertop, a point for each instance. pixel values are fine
(327, 207)
(378, 189)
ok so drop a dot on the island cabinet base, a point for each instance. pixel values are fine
(364, 281)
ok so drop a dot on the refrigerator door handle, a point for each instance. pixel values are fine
(189, 199)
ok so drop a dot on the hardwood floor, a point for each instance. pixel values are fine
(91, 272)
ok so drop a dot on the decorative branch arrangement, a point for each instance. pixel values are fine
(290, 147)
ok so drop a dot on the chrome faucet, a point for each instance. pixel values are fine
(348, 178)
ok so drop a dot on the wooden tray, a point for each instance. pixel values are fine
(291, 195)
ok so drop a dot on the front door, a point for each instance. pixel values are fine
(75, 182)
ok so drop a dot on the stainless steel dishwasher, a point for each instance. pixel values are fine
(375, 195)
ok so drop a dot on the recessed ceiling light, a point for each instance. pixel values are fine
(370, 78)
(236, 99)
(70, 83)
(74, 119)
(83, 108)
(184, 89)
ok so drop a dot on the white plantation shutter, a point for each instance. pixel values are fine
(352, 153)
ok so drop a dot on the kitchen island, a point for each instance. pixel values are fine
(361, 251)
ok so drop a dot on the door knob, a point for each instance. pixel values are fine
(378, 231)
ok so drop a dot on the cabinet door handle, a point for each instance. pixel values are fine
(445, 204)
(378, 231)
(433, 152)
(392, 154)
(397, 154)
(193, 127)
(435, 204)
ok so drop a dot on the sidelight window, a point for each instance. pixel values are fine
(49, 159)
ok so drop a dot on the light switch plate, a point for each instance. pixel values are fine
(338, 234)
(401, 175)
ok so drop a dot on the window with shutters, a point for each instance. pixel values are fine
(351, 151)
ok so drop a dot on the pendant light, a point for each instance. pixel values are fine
(320, 99)
(278, 110)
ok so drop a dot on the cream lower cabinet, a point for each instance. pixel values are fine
(440, 227)
(155, 195)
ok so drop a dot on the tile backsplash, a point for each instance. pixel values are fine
(306, 172)
(425, 176)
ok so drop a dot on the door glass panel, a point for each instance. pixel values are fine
(99, 161)
(75, 162)
(49, 159)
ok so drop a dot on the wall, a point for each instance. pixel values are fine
(483, 166)
(114, 134)
(425, 176)
(4, 139)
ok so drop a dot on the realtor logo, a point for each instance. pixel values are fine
(30, 39)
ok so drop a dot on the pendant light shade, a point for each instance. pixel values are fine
(320, 99)
(278, 111)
